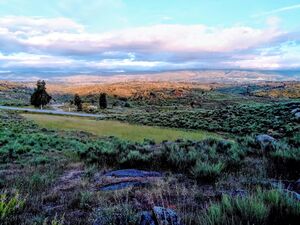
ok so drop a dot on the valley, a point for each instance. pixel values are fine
(207, 154)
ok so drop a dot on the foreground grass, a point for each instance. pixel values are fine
(115, 128)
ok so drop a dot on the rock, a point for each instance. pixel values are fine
(147, 219)
(293, 194)
(120, 179)
(133, 173)
(122, 185)
(98, 221)
(297, 186)
(264, 140)
(297, 115)
(165, 216)
(295, 110)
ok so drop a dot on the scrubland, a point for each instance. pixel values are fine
(215, 168)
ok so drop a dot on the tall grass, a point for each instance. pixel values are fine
(272, 207)
(10, 204)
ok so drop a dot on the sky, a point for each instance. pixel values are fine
(115, 36)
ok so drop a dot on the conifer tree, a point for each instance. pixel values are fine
(40, 97)
(78, 102)
(103, 101)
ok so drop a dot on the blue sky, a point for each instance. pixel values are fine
(93, 36)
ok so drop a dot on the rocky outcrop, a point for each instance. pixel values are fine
(147, 218)
(295, 110)
(133, 173)
(121, 179)
(122, 185)
(165, 216)
(265, 141)
(160, 216)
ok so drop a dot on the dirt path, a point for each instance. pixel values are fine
(53, 112)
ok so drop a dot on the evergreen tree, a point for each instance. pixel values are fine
(78, 102)
(103, 101)
(40, 97)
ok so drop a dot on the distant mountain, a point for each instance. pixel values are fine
(204, 76)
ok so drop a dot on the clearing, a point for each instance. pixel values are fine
(114, 128)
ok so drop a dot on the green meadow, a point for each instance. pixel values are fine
(114, 128)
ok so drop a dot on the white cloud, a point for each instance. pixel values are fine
(61, 42)
(286, 57)
(32, 26)
(64, 35)
(279, 10)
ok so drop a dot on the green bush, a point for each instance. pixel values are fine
(207, 171)
(135, 159)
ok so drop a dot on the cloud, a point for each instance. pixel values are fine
(65, 36)
(33, 26)
(279, 10)
(38, 43)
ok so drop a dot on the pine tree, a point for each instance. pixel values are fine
(40, 97)
(78, 102)
(103, 101)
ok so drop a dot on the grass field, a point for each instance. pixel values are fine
(115, 128)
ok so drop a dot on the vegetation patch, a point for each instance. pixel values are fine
(115, 128)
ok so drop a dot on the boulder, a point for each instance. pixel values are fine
(133, 173)
(160, 216)
(264, 139)
(121, 179)
(165, 216)
(297, 186)
(295, 110)
(122, 185)
(293, 194)
(147, 218)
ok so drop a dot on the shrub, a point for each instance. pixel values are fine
(179, 158)
(135, 159)
(207, 171)
(10, 204)
(285, 161)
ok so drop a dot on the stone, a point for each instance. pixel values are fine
(297, 186)
(297, 115)
(293, 194)
(295, 110)
(133, 173)
(121, 179)
(147, 219)
(166, 216)
(264, 139)
(122, 185)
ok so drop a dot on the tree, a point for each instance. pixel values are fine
(103, 101)
(40, 97)
(78, 102)
(248, 90)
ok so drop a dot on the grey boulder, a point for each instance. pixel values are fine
(264, 139)
(133, 173)
(295, 110)
(160, 216)
(165, 216)
(147, 219)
